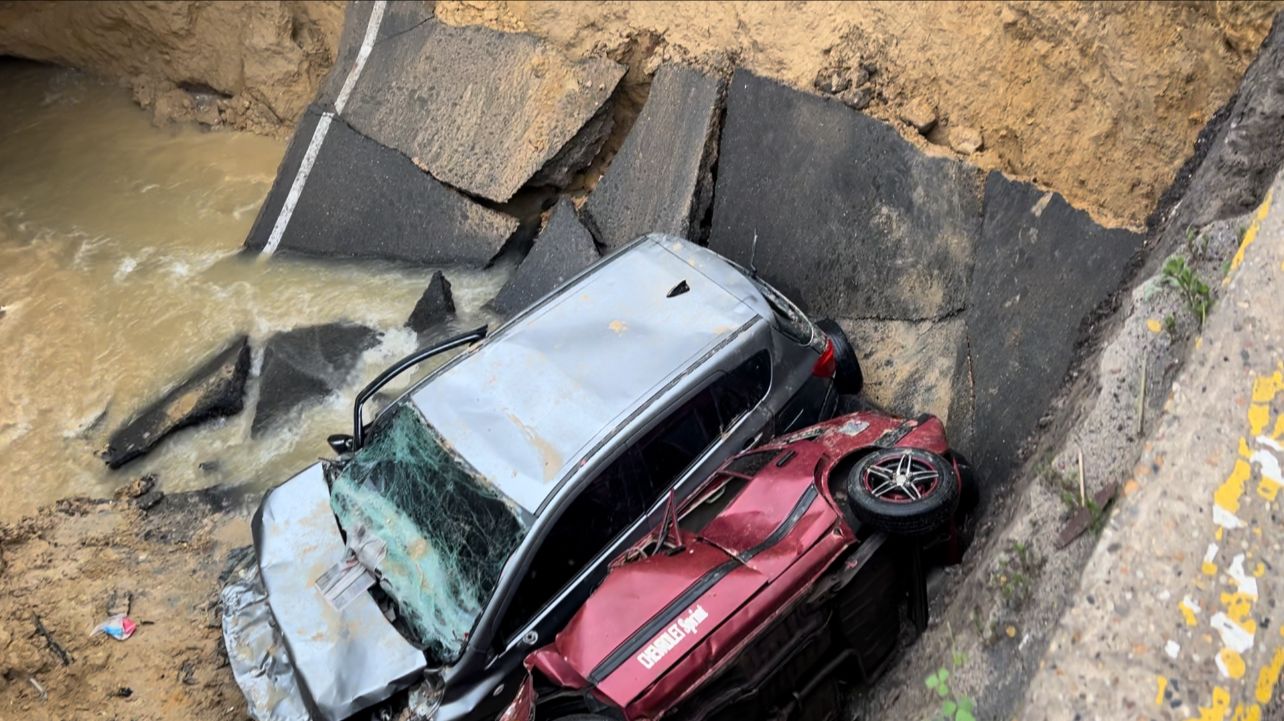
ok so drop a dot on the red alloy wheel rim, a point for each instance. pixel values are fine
(903, 478)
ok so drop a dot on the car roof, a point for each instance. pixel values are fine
(524, 406)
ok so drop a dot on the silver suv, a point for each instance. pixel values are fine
(468, 522)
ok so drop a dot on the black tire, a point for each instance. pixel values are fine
(849, 379)
(922, 509)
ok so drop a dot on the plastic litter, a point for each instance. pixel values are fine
(119, 627)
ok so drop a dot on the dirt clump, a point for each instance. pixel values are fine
(77, 562)
(244, 65)
(1098, 101)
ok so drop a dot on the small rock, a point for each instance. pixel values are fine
(435, 306)
(966, 140)
(831, 81)
(149, 500)
(864, 74)
(137, 487)
(857, 99)
(123, 692)
(187, 673)
(920, 114)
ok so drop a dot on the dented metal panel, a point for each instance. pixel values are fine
(525, 405)
(346, 660)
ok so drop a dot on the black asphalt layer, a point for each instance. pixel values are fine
(850, 218)
(435, 307)
(363, 200)
(562, 249)
(399, 16)
(216, 389)
(1041, 269)
(482, 110)
(659, 181)
(304, 365)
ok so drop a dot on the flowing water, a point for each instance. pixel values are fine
(120, 271)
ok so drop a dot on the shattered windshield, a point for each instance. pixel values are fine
(448, 532)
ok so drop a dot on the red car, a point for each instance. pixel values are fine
(783, 574)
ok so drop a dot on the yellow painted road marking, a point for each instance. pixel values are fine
(1250, 234)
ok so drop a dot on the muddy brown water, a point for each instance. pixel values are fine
(120, 271)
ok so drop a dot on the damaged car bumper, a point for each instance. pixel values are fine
(294, 655)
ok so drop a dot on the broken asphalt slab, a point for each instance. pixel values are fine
(216, 389)
(435, 307)
(304, 365)
(850, 219)
(660, 181)
(1041, 268)
(481, 110)
(562, 249)
(363, 200)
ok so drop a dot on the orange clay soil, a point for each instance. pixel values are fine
(1099, 101)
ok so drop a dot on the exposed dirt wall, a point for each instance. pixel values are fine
(249, 65)
(1098, 101)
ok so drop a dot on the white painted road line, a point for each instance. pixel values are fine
(323, 127)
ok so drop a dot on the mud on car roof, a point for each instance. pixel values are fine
(525, 406)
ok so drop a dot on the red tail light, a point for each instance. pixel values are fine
(826, 364)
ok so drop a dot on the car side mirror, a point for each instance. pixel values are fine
(341, 443)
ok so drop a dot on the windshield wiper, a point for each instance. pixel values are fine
(346, 444)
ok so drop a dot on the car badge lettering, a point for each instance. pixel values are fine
(669, 639)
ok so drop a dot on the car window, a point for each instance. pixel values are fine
(633, 483)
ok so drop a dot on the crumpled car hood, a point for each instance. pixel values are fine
(341, 661)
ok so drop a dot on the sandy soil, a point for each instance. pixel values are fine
(245, 65)
(1100, 102)
(68, 563)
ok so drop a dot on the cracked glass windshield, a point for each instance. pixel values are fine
(447, 530)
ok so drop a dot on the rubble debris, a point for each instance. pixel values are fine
(149, 500)
(831, 81)
(136, 488)
(482, 110)
(54, 647)
(965, 140)
(562, 249)
(661, 179)
(119, 603)
(364, 200)
(850, 219)
(920, 115)
(1085, 515)
(1027, 303)
(216, 389)
(435, 306)
(304, 365)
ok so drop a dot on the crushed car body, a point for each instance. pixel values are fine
(767, 581)
(463, 527)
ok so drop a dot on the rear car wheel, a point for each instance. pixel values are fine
(849, 378)
(904, 491)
